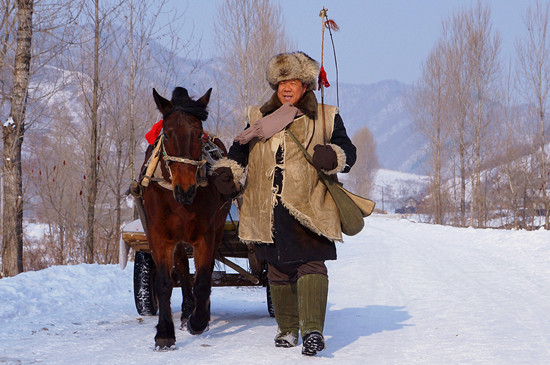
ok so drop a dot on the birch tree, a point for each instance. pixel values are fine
(13, 133)
(533, 59)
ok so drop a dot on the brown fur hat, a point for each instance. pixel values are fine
(292, 66)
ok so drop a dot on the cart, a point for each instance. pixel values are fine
(232, 253)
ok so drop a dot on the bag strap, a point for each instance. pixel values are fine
(307, 155)
(367, 205)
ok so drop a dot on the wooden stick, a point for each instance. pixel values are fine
(323, 15)
(238, 269)
(152, 164)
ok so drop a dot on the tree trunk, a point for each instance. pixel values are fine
(92, 187)
(132, 148)
(543, 167)
(462, 155)
(13, 133)
(438, 196)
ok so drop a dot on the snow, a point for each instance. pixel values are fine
(9, 122)
(391, 188)
(400, 292)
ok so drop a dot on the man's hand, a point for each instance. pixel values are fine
(324, 157)
(223, 180)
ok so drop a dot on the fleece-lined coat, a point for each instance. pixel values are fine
(286, 210)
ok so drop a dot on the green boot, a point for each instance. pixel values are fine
(312, 305)
(285, 304)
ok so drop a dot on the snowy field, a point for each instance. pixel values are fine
(400, 293)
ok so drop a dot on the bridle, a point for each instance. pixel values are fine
(167, 158)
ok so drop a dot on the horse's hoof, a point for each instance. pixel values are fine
(165, 344)
(183, 326)
(164, 348)
(194, 331)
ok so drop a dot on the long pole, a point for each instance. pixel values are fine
(2, 199)
(323, 15)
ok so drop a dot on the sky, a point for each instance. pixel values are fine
(378, 40)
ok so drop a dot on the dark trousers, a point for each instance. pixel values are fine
(283, 274)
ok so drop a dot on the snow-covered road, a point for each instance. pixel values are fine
(400, 293)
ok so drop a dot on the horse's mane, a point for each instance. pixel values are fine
(182, 101)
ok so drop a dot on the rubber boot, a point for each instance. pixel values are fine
(312, 305)
(285, 304)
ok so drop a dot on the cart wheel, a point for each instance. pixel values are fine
(144, 284)
(269, 302)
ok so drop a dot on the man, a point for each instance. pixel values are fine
(286, 210)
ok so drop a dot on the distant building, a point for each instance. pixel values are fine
(409, 207)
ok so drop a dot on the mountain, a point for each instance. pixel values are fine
(381, 108)
(392, 188)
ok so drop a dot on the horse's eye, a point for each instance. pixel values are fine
(165, 135)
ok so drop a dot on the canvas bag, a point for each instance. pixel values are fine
(352, 208)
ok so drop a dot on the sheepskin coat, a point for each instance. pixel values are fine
(286, 210)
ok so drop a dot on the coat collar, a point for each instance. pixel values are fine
(307, 105)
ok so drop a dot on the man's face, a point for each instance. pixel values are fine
(290, 91)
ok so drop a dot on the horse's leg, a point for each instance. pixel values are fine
(181, 270)
(203, 253)
(163, 255)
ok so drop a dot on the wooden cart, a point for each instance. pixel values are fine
(232, 254)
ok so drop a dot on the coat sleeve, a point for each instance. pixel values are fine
(239, 152)
(340, 138)
(236, 160)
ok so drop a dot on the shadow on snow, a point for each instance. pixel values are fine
(347, 325)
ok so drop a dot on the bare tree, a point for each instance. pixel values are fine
(13, 133)
(362, 174)
(533, 58)
(460, 89)
(429, 106)
(484, 64)
(92, 58)
(472, 58)
(7, 26)
(247, 34)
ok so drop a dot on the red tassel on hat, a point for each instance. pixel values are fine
(323, 78)
(152, 135)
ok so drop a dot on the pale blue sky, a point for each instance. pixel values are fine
(378, 39)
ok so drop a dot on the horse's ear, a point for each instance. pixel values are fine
(163, 104)
(205, 98)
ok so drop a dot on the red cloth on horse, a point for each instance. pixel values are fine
(152, 135)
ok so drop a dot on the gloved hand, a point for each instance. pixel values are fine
(324, 157)
(223, 180)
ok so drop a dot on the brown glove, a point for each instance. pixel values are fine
(324, 157)
(223, 180)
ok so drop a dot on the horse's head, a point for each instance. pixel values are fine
(183, 133)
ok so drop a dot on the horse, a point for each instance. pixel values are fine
(184, 214)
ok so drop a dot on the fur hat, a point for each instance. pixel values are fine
(292, 66)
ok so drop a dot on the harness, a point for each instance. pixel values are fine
(210, 154)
